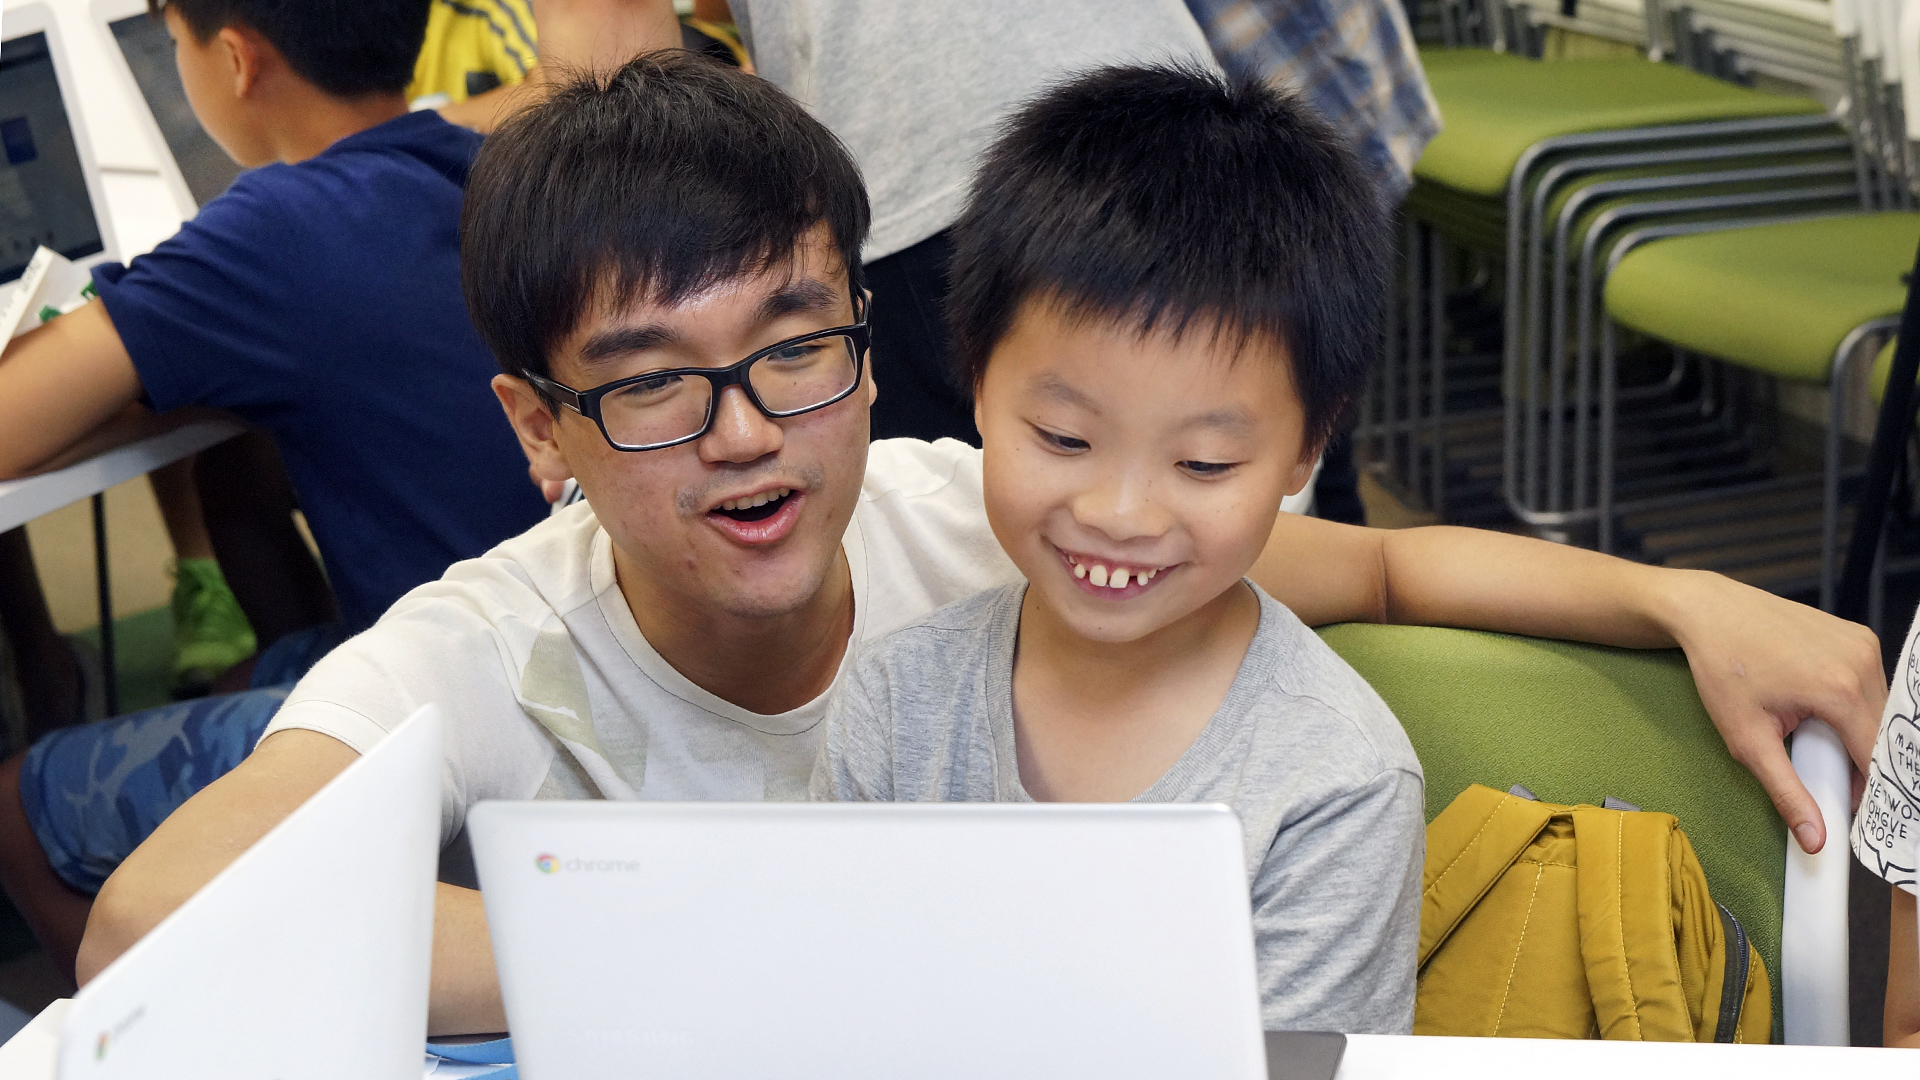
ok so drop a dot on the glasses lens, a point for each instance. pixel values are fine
(805, 374)
(655, 411)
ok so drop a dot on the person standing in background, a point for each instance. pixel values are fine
(1355, 62)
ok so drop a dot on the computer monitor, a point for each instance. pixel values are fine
(49, 188)
(141, 51)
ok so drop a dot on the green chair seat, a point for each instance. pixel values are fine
(1491, 112)
(1575, 724)
(1775, 298)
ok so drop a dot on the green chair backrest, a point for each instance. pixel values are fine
(1575, 724)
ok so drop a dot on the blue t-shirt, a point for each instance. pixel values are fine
(322, 302)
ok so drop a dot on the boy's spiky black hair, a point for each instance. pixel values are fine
(653, 182)
(1170, 197)
(348, 48)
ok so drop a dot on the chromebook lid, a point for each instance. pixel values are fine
(306, 959)
(856, 942)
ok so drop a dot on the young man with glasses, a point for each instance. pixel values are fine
(666, 261)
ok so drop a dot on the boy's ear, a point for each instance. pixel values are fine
(533, 423)
(247, 55)
(1303, 471)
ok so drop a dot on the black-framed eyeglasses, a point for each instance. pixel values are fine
(666, 408)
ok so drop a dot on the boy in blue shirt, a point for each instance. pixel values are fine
(319, 298)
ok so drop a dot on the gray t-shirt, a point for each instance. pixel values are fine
(1323, 778)
(916, 89)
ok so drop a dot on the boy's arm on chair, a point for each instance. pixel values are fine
(1762, 664)
(58, 384)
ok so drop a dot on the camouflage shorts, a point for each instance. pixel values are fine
(93, 792)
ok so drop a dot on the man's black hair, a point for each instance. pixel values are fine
(1169, 197)
(667, 176)
(348, 48)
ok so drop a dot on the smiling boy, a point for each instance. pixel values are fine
(1164, 304)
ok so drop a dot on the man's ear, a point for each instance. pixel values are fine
(534, 424)
(866, 312)
(247, 55)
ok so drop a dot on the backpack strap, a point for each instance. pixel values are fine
(1469, 846)
(1626, 918)
(1733, 982)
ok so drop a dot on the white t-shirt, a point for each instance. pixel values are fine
(551, 692)
(916, 89)
(1886, 829)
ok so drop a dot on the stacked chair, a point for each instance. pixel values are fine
(1804, 295)
(1747, 239)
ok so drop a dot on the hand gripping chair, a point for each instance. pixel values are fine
(1577, 723)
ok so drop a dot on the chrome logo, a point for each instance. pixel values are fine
(547, 864)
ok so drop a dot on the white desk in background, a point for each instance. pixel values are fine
(30, 1056)
(23, 500)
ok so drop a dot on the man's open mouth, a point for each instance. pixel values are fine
(755, 507)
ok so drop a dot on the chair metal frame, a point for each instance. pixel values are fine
(1521, 184)
(1388, 415)
(1846, 355)
(1549, 341)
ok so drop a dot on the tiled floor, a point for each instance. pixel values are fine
(137, 553)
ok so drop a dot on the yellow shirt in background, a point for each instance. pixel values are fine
(472, 46)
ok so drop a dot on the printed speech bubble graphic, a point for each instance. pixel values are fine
(1887, 827)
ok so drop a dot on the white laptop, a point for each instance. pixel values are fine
(307, 959)
(870, 941)
(49, 188)
(140, 62)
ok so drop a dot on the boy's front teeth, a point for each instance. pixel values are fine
(1103, 578)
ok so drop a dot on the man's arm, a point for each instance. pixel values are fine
(59, 383)
(227, 817)
(201, 838)
(1762, 664)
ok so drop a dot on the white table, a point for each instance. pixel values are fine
(23, 500)
(1377, 1057)
(30, 1056)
